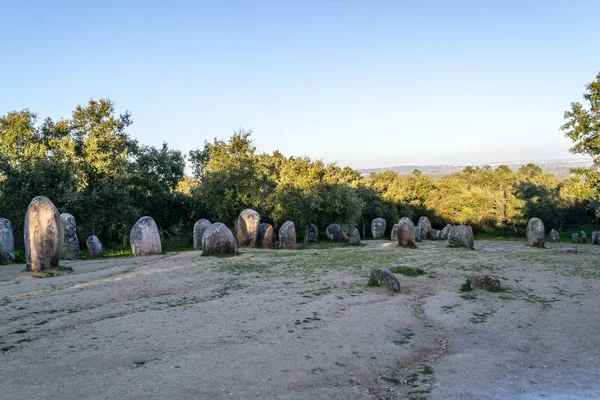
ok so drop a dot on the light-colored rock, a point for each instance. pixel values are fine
(354, 237)
(384, 278)
(595, 238)
(461, 236)
(445, 232)
(7, 240)
(536, 233)
(218, 239)
(247, 225)
(144, 238)
(313, 234)
(394, 234)
(485, 282)
(94, 246)
(265, 236)
(425, 225)
(71, 248)
(335, 233)
(44, 235)
(199, 228)
(378, 226)
(406, 233)
(287, 236)
(554, 236)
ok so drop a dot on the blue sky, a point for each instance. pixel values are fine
(364, 83)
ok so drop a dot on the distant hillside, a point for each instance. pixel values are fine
(558, 167)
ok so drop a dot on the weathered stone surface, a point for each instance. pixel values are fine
(265, 236)
(394, 234)
(485, 282)
(384, 278)
(313, 234)
(582, 237)
(94, 246)
(595, 238)
(247, 225)
(335, 233)
(378, 228)
(44, 235)
(5, 257)
(199, 229)
(354, 237)
(433, 235)
(554, 236)
(406, 233)
(445, 232)
(218, 239)
(71, 248)
(575, 238)
(536, 233)
(7, 240)
(287, 236)
(144, 238)
(461, 236)
(425, 225)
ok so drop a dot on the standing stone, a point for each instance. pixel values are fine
(575, 238)
(287, 236)
(582, 237)
(461, 236)
(536, 233)
(218, 239)
(406, 233)
(394, 235)
(199, 228)
(378, 228)
(595, 238)
(247, 225)
(71, 248)
(335, 233)
(433, 235)
(425, 225)
(354, 237)
(44, 235)
(7, 240)
(554, 236)
(94, 246)
(418, 233)
(144, 238)
(313, 234)
(445, 232)
(265, 236)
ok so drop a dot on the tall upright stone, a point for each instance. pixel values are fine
(7, 240)
(71, 248)
(425, 226)
(378, 226)
(595, 238)
(313, 234)
(536, 233)
(354, 237)
(445, 232)
(44, 235)
(94, 246)
(461, 236)
(199, 228)
(144, 238)
(218, 239)
(394, 234)
(247, 225)
(265, 236)
(335, 233)
(287, 236)
(406, 233)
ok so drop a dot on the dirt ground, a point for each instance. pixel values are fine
(304, 325)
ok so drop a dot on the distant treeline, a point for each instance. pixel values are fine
(90, 167)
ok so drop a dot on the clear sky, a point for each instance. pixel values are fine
(364, 83)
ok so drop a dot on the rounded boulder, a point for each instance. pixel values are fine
(144, 238)
(265, 236)
(199, 228)
(218, 239)
(536, 233)
(461, 236)
(378, 226)
(287, 236)
(94, 246)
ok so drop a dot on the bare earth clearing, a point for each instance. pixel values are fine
(303, 325)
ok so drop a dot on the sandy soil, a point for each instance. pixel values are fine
(303, 325)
